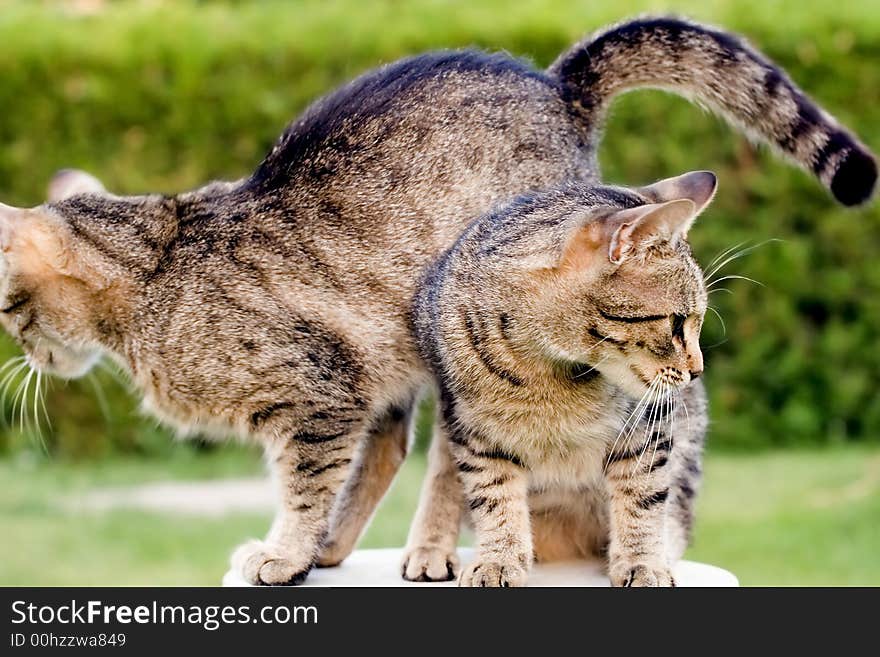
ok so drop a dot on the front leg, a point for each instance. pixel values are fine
(309, 469)
(637, 478)
(495, 486)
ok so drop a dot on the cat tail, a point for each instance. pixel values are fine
(721, 71)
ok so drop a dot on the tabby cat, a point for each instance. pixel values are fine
(563, 329)
(277, 307)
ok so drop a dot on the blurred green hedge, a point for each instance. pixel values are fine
(163, 96)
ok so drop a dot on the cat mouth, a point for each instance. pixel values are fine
(668, 375)
(64, 363)
(672, 376)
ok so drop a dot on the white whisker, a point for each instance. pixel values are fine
(733, 277)
(99, 394)
(592, 368)
(669, 416)
(649, 425)
(21, 400)
(686, 414)
(633, 414)
(739, 254)
(597, 344)
(726, 252)
(42, 391)
(720, 319)
(8, 380)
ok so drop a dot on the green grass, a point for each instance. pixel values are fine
(793, 518)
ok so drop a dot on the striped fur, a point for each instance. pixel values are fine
(275, 308)
(555, 464)
(724, 73)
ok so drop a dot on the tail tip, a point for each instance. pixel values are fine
(855, 178)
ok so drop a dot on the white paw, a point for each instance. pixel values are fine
(429, 564)
(264, 564)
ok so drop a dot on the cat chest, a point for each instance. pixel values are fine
(561, 441)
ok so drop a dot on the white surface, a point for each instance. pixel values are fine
(382, 568)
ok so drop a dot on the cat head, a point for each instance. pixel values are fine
(625, 295)
(51, 286)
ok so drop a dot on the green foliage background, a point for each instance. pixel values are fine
(163, 96)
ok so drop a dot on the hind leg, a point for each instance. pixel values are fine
(379, 459)
(310, 466)
(569, 523)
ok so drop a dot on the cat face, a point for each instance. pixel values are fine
(48, 294)
(646, 325)
(634, 296)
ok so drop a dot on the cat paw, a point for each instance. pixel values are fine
(494, 574)
(640, 574)
(429, 564)
(264, 564)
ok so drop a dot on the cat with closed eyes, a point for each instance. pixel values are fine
(277, 308)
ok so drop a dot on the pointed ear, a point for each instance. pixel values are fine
(70, 182)
(697, 186)
(648, 223)
(8, 216)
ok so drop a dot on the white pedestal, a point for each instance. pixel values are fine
(372, 568)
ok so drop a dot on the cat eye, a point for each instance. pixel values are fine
(18, 303)
(678, 325)
(632, 319)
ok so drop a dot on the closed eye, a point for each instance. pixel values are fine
(632, 319)
(16, 304)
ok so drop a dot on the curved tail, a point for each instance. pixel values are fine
(722, 72)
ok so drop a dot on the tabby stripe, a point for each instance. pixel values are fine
(259, 417)
(313, 438)
(631, 320)
(100, 246)
(498, 481)
(477, 502)
(486, 358)
(329, 466)
(467, 467)
(663, 446)
(652, 500)
(601, 336)
(693, 467)
(17, 304)
(495, 454)
(658, 463)
(686, 489)
(837, 142)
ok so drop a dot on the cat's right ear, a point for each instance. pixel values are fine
(71, 182)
